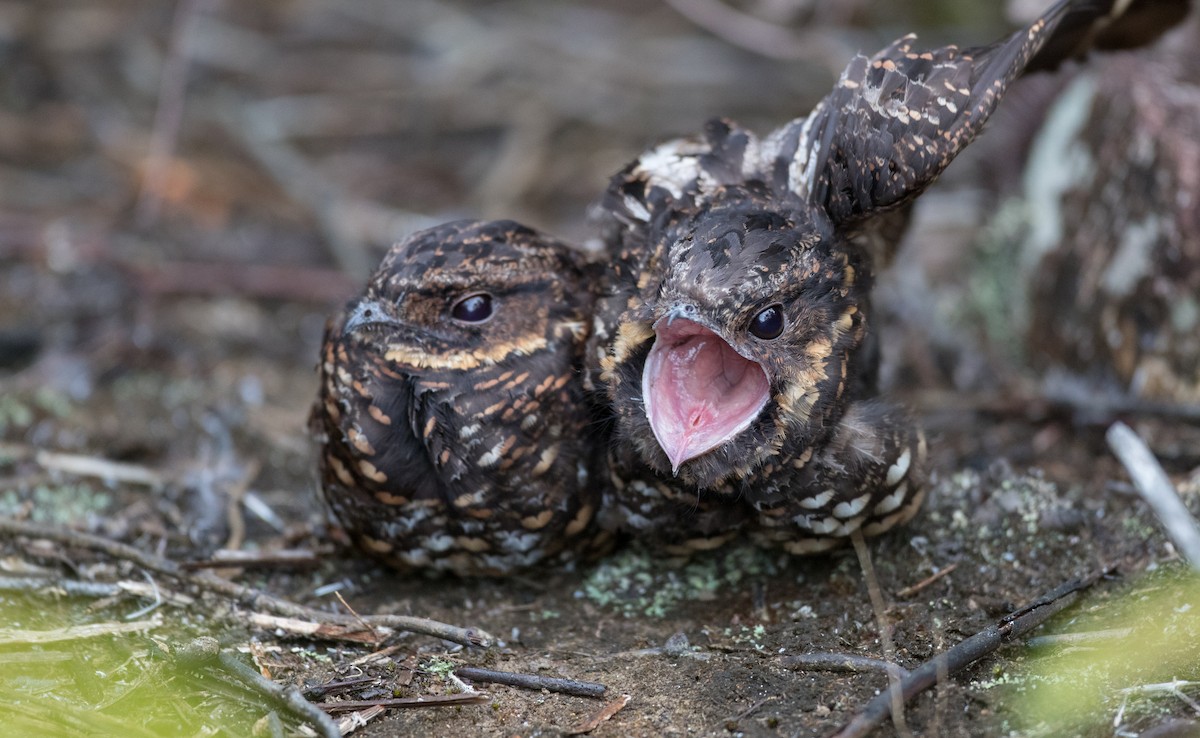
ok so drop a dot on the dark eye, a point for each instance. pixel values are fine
(768, 324)
(473, 309)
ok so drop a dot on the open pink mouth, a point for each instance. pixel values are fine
(699, 392)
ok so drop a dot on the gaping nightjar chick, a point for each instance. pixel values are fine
(733, 343)
(451, 415)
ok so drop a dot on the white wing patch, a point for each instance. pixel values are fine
(802, 173)
(636, 209)
(674, 166)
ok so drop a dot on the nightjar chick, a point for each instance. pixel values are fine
(733, 342)
(451, 417)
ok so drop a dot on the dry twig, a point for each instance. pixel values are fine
(604, 713)
(280, 558)
(359, 718)
(248, 597)
(1010, 627)
(98, 468)
(72, 587)
(840, 662)
(896, 707)
(289, 697)
(913, 589)
(354, 612)
(429, 700)
(1150, 479)
(352, 633)
(532, 681)
(204, 653)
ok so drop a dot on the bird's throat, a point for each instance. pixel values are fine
(699, 392)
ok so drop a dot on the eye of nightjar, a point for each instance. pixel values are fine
(473, 309)
(768, 323)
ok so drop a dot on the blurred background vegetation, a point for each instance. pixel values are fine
(304, 130)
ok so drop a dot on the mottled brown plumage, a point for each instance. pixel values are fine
(451, 418)
(733, 345)
(805, 459)
(731, 351)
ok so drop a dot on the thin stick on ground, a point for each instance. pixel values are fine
(73, 587)
(844, 662)
(290, 558)
(355, 633)
(940, 667)
(234, 494)
(1154, 485)
(204, 654)
(353, 612)
(604, 713)
(429, 700)
(532, 681)
(913, 589)
(885, 633)
(249, 597)
(289, 697)
(359, 718)
(99, 468)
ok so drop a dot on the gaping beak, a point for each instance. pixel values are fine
(699, 392)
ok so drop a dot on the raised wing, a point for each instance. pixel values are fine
(895, 121)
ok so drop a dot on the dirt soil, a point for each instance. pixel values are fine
(187, 190)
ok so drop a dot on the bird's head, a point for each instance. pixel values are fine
(467, 295)
(741, 344)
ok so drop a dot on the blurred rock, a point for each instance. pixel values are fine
(1111, 242)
